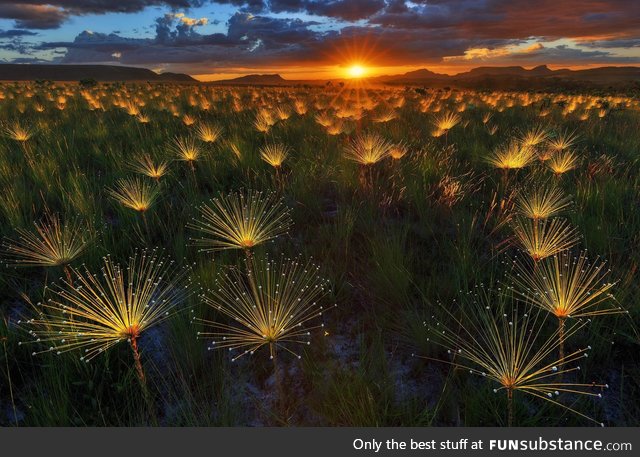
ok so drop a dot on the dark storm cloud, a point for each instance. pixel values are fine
(252, 6)
(517, 18)
(106, 6)
(172, 27)
(613, 43)
(259, 40)
(33, 16)
(286, 6)
(51, 14)
(268, 30)
(28, 60)
(349, 10)
(16, 46)
(177, 41)
(481, 18)
(250, 40)
(391, 32)
(96, 44)
(11, 40)
(563, 54)
(345, 9)
(16, 33)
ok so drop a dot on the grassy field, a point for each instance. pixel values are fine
(462, 240)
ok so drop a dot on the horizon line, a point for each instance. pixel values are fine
(233, 76)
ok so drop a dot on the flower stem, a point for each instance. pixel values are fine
(510, 407)
(249, 261)
(13, 403)
(561, 337)
(279, 397)
(67, 273)
(136, 358)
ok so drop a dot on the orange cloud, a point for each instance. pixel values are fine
(496, 53)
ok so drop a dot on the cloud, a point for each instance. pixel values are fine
(479, 54)
(251, 6)
(612, 43)
(33, 16)
(516, 19)
(565, 55)
(272, 32)
(536, 54)
(378, 32)
(177, 26)
(51, 14)
(27, 60)
(533, 48)
(250, 39)
(15, 33)
(349, 10)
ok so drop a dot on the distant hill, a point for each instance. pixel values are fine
(510, 78)
(413, 75)
(258, 80)
(603, 74)
(29, 72)
(538, 71)
(515, 77)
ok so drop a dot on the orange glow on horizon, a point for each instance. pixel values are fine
(338, 72)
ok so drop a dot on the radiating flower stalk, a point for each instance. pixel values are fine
(276, 305)
(535, 137)
(542, 238)
(208, 133)
(147, 167)
(135, 194)
(240, 220)
(118, 304)
(275, 154)
(366, 150)
(542, 202)
(186, 150)
(21, 135)
(497, 341)
(54, 243)
(563, 141)
(567, 286)
(444, 123)
(562, 162)
(511, 156)
(18, 133)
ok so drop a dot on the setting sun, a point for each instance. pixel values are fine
(356, 71)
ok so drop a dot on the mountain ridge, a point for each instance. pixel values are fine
(258, 79)
(506, 77)
(102, 73)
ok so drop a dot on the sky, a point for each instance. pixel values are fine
(307, 39)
